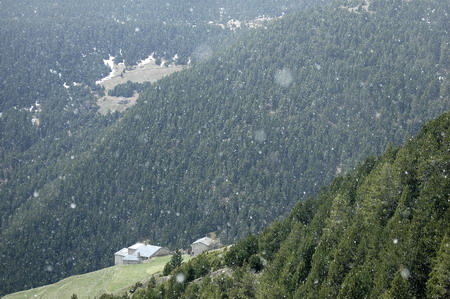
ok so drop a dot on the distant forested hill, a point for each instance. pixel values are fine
(226, 146)
(170, 10)
(47, 45)
(382, 231)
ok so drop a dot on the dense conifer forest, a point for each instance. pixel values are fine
(381, 231)
(261, 120)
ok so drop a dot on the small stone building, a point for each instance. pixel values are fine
(138, 253)
(203, 244)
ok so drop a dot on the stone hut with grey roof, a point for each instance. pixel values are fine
(204, 244)
(138, 253)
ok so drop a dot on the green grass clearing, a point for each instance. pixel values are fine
(116, 280)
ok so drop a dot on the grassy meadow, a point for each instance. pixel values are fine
(115, 280)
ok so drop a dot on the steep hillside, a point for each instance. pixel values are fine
(382, 231)
(233, 142)
(52, 55)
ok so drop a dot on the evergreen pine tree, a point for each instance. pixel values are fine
(174, 262)
(438, 285)
(400, 288)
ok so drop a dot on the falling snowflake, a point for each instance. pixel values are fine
(260, 136)
(283, 77)
(405, 273)
(180, 278)
(49, 268)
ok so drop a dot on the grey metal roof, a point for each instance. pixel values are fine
(147, 250)
(122, 252)
(136, 246)
(207, 241)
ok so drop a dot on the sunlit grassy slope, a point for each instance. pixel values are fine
(115, 280)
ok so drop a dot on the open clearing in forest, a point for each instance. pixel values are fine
(148, 72)
(116, 280)
(363, 7)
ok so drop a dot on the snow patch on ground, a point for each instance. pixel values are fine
(109, 62)
(36, 109)
(147, 60)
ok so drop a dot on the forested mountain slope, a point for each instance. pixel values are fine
(233, 142)
(170, 11)
(382, 231)
(52, 55)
